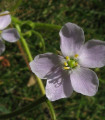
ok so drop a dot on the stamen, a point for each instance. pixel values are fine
(76, 64)
(67, 58)
(65, 63)
(70, 63)
(76, 55)
(66, 68)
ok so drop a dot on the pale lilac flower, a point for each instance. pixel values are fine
(10, 35)
(70, 71)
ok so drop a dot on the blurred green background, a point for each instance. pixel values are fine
(15, 78)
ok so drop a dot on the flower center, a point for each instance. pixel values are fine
(70, 63)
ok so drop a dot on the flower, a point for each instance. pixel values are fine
(10, 35)
(70, 71)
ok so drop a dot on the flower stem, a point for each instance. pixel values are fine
(30, 32)
(41, 38)
(24, 109)
(48, 26)
(36, 25)
(30, 59)
(25, 45)
(27, 50)
(52, 112)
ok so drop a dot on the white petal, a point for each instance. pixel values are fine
(72, 37)
(92, 54)
(84, 81)
(4, 20)
(10, 35)
(44, 64)
(58, 85)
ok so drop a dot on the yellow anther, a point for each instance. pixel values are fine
(67, 58)
(76, 64)
(65, 63)
(76, 55)
(66, 68)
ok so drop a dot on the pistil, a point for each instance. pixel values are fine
(70, 63)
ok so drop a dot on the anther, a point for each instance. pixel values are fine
(67, 58)
(65, 63)
(76, 64)
(66, 68)
(76, 55)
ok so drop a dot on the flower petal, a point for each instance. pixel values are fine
(10, 35)
(72, 37)
(84, 81)
(92, 54)
(58, 85)
(4, 20)
(44, 64)
(2, 47)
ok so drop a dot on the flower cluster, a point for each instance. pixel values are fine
(70, 71)
(10, 35)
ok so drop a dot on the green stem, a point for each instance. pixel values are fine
(26, 48)
(24, 109)
(41, 85)
(5, 14)
(41, 38)
(38, 35)
(25, 45)
(37, 25)
(52, 112)
(30, 59)
(49, 26)
(38, 79)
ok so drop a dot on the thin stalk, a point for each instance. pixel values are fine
(5, 14)
(37, 24)
(38, 35)
(30, 59)
(25, 45)
(26, 48)
(9, 13)
(52, 112)
(24, 109)
(48, 26)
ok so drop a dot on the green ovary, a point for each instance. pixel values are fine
(70, 63)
